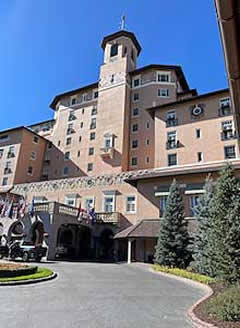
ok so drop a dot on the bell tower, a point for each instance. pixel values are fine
(121, 50)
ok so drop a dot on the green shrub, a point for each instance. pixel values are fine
(226, 305)
(184, 274)
(41, 273)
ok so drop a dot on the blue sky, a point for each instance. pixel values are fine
(52, 46)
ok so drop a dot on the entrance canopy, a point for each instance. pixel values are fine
(143, 229)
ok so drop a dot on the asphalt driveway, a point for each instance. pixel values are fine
(92, 295)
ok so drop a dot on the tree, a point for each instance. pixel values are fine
(172, 246)
(201, 235)
(223, 213)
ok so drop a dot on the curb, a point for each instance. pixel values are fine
(28, 282)
(198, 323)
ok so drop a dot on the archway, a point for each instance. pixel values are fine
(37, 233)
(65, 240)
(106, 245)
(84, 243)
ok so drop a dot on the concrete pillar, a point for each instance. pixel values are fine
(129, 251)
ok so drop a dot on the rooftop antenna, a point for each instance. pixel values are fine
(123, 22)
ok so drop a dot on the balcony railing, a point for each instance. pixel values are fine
(172, 144)
(10, 155)
(107, 152)
(228, 135)
(225, 110)
(7, 170)
(171, 122)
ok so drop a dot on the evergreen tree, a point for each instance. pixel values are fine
(201, 235)
(172, 246)
(222, 209)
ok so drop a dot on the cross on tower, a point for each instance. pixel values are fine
(123, 22)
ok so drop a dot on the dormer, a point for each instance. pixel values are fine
(121, 45)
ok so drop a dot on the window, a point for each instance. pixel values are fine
(134, 143)
(93, 123)
(147, 124)
(136, 97)
(1, 153)
(194, 203)
(70, 200)
(171, 140)
(135, 127)
(229, 152)
(112, 78)
(49, 145)
(163, 204)
(91, 151)
(200, 156)
(78, 153)
(30, 170)
(225, 102)
(125, 50)
(147, 159)
(35, 139)
(92, 136)
(171, 115)
(81, 125)
(59, 143)
(71, 116)
(94, 111)
(68, 141)
(163, 77)
(65, 171)
(135, 112)
(114, 50)
(147, 142)
(172, 159)
(227, 125)
(134, 161)
(131, 204)
(198, 133)
(89, 203)
(136, 82)
(95, 95)
(4, 138)
(85, 97)
(70, 128)
(108, 141)
(90, 167)
(33, 155)
(82, 110)
(109, 203)
(67, 156)
(11, 152)
(164, 93)
(73, 101)
(5, 181)
(80, 139)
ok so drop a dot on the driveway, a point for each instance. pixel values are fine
(92, 295)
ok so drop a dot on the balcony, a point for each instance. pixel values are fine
(172, 144)
(225, 110)
(107, 152)
(105, 217)
(228, 135)
(171, 122)
(7, 170)
(10, 155)
(92, 126)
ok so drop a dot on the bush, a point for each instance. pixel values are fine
(184, 274)
(17, 272)
(226, 305)
(41, 273)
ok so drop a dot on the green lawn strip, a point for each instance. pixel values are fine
(184, 274)
(41, 273)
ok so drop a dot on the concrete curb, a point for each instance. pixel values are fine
(28, 282)
(198, 323)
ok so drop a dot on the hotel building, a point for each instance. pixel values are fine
(116, 145)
